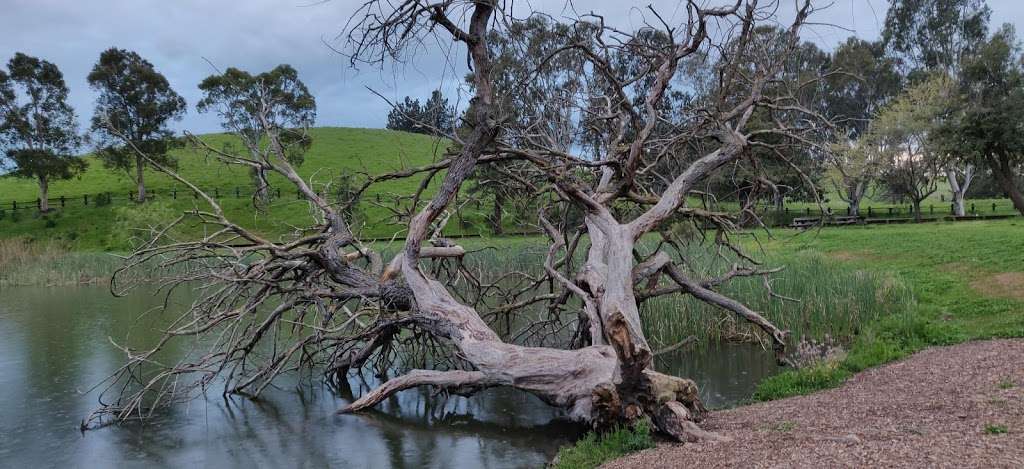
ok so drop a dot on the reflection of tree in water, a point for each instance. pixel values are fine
(56, 347)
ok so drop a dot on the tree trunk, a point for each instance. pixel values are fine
(44, 195)
(261, 196)
(959, 188)
(916, 204)
(856, 194)
(140, 166)
(1003, 173)
(497, 211)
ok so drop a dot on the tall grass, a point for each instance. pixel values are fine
(832, 299)
(49, 263)
(828, 300)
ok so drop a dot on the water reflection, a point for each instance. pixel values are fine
(54, 346)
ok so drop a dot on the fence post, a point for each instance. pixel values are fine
(869, 211)
(808, 210)
(237, 193)
(39, 203)
(847, 210)
(85, 199)
(931, 208)
(993, 206)
(278, 192)
(890, 210)
(62, 201)
(174, 194)
(973, 210)
(216, 193)
(14, 205)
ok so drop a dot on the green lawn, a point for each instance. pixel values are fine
(967, 278)
(334, 150)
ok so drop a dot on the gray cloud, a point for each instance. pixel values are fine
(179, 36)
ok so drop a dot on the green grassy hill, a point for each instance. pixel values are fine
(334, 151)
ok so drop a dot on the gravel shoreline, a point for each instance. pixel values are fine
(941, 407)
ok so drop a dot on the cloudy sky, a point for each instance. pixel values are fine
(189, 39)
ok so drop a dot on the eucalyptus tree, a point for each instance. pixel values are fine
(906, 127)
(932, 35)
(135, 105)
(939, 36)
(254, 107)
(863, 81)
(321, 298)
(39, 129)
(987, 127)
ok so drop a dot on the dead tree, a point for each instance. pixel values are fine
(343, 306)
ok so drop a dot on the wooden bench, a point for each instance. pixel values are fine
(806, 222)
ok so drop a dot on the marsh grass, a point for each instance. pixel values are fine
(830, 301)
(833, 300)
(49, 263)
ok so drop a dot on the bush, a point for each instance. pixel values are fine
(593, 450)
(802, 381)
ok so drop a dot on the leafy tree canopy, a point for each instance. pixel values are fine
(935, 34)
(38, 131)
(434, 117)
(252, 105)
(136, 104)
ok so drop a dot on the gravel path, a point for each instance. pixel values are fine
(929, 410)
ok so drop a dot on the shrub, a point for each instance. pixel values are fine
(802, 381)
(594, 449)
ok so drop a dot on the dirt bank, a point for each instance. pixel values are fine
(959, 406)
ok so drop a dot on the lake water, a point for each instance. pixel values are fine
(54, 347)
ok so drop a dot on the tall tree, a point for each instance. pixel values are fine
(935, 34)
(987, 129)
(135, 106)
(252, 107)
(864, 80)
(906, 129)
(39, 130)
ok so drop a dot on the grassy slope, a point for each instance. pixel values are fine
(371, 151)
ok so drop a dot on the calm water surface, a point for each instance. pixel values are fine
(54, 347)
